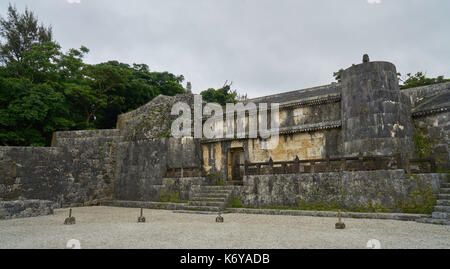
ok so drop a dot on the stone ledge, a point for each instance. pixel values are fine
(429, 112)
(143, 204)
(315, 101)
(25, 208)
(87, 133)
(434, 221)
(330, 214)
(313, 127)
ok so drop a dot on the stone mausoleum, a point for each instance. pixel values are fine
(359, 145)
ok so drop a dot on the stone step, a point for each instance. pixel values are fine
(442, 209)
(443, 202)
(203, 208)
(197, 212)
(434, 221)
(218, 187)
(217, 191)
(206, 203)
(444, 196)
(209, 199)
(444, 191)
(445, 185)
(211, 195)
(441, 215)
(206, 199)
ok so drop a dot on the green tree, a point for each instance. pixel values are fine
(43, 89)
(141, 86)
(220, 96)
(97, 90)
(30, 113)
(338, 75)
(20, 32)
(419, 79)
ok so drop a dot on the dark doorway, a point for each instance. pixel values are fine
(237, 161)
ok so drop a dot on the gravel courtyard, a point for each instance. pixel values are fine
(110, 227)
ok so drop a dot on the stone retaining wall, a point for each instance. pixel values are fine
(77, 172)
(377, 191)
(329, 214)
(25, 208)
(432, 138)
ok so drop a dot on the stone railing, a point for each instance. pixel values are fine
(358, 163)
(183, 172)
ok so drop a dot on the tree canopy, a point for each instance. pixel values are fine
(220, 96)
(21, 32)
(43, 89)
(419, 79)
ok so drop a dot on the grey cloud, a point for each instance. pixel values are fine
(263, 46)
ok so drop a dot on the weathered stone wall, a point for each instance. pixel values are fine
(77, 172)
(33, 173)
(432, 139)
(376, 117)
(141, 166)
(386, 191)
(431, 115)
(420, 94)
(153, 120)
(311, 114)
(25, 208)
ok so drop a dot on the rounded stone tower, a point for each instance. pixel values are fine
(375, 115)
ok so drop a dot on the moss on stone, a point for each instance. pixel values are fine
(235, 203)
(317, 206)
(412, 176)
(420, 201)
(171, 197)
(423, 142)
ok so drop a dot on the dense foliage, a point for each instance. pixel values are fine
(419, 79)
(220, 96)
(43, 89)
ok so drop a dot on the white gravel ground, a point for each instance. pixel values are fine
(110, 227)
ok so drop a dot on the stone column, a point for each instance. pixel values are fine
(375, 115)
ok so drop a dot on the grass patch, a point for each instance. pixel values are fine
(171, 197)
(418, 202)
(235, 203)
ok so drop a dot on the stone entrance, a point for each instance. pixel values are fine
(235, 164)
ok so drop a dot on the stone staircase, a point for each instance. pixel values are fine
(441, 214)
(210, 199)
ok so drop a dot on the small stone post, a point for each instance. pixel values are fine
(189, 88)
(141, 219)
(70, 220)
(340, 225)
(219, 218)
(366, 58)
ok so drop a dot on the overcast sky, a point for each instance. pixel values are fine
(263, 46)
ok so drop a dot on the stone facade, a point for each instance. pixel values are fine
(366, 114)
